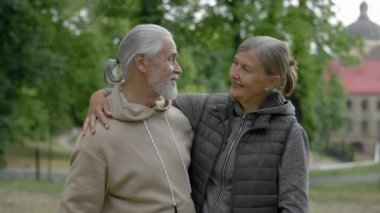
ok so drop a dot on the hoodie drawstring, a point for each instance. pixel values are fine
(179, 151)
(162, 162)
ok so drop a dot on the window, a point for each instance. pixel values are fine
(364, 105)
(364, 127)
(349, 104)
(349, 126)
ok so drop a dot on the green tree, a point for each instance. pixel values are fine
(335, 98)
(49, 66)
(25, 58)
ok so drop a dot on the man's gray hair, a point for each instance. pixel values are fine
(142, 39)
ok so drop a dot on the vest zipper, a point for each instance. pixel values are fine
(225, 164)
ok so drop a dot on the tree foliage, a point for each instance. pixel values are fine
(52, 53)
(48, 68)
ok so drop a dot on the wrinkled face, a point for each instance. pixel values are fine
(164, 70)
(248, 78)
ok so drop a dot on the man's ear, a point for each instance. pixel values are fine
(140, 62)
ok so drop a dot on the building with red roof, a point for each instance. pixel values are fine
(362, 85)
(360, 80)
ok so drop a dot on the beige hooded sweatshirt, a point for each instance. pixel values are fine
(133, 166)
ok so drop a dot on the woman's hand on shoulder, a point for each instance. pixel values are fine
(98, 109)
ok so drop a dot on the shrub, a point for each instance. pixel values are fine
(342, 151)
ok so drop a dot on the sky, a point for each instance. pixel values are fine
(348, 11)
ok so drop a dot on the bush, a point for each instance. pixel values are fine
(2, 153)
(342, 151)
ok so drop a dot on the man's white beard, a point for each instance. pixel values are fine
(167, 89)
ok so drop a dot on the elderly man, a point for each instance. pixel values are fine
(140, 165)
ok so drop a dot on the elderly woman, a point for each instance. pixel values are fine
(249, 152)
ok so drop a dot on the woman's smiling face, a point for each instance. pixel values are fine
(248, 78)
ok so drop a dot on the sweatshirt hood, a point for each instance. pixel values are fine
(126, 111)
(275, 103)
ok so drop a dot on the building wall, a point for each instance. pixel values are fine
(363, 127)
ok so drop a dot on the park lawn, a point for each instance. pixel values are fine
(29, 196)
(362, 192)
(20, 195)
(32, 186)
(348, 171)
(43, 197)
(348, 198)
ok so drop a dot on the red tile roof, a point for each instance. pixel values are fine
(361, 79)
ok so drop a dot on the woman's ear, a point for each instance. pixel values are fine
(273, 81)
(140, 62)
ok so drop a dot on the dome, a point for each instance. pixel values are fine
(364, 26)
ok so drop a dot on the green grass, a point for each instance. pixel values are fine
(362, 192)
(347, 198)
(29, 196)
(43, 197)
(32, 186)
(348, 171)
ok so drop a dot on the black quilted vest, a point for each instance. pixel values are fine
(255, 179)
